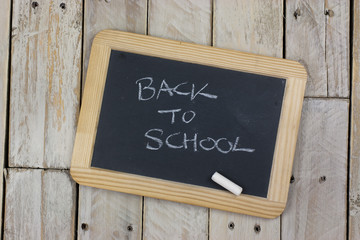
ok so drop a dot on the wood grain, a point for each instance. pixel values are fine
(233, 226)
(212, 56)
(5, 12)
(337, 47)
(58, 205)
(105, 214)
(255, 28)
(47, 39)
(39, 204)
(354, 181)
(184, 20)
(305, 42)
(320, 41)
(45, 86)
(125, 15)
(94, 204)
(317, 202)
(23, 217)
(188, 21)
(171, 220)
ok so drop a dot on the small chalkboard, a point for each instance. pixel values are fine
(159, 117)
(183, 121)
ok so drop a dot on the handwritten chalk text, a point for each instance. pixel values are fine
(187, 116)
(193, 143)
(157, 139)
(147, 91)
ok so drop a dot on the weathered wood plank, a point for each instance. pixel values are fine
(4, 63)
(255, 28)
(105, 214)
(39, 204)
(317, 202)
(23, 217)
(125, 15)
(45, 87)
(305, 41)
(354, 181)
(188, 21)
(234, 226)
(185, 20)
(171, 220)
(337, 47)
(317, 35)
(58, 205)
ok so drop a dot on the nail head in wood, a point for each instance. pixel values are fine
(292, 179)
(63, 6)
(329, 12)
(84, 226)
(231, 225)
(257, 228)
(322, 179)
(34, 4)
(130, 228)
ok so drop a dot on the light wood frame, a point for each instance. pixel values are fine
(292, 71)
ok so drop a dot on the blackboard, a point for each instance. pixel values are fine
(217, 119)
(159, 117)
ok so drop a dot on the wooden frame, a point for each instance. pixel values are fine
(292, 71)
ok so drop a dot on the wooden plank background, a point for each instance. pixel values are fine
(44, 51)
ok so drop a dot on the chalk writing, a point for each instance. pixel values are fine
(157, 139)
(147, 92)
(192, 142)
(185, 116)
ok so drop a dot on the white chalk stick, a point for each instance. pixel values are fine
(226, 183)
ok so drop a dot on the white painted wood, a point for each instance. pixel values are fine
(305, 42)
(23, 204)
(224, 225)
(58, 205)
(106, 214)
(124, 15)
(320, 41)
(4, 59)
(354, 181)
(188, 21)
(255, 28)
(316, 207)
(171, 220)
(44, 102)
(39, 204)
(184, 20)
(337, 47)
(45, 86)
